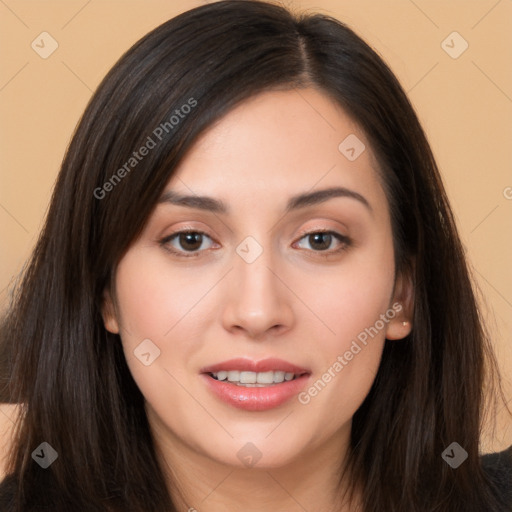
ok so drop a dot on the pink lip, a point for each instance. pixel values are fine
(256, 398)
(249, 365)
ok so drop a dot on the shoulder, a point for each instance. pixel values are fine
(8, 415)
(7, 493)
(498, 468)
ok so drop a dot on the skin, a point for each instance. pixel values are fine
(291, 303)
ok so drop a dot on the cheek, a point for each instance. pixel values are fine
(350, 299)
(154, 296)
(351, 303)
(159, 303)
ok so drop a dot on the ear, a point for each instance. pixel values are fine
(108, 312)
(403, 304)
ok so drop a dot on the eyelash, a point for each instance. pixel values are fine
(345, 241)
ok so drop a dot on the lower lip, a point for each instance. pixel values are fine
(256, 399)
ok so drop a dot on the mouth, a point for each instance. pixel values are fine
(255, 386)
(250, 379)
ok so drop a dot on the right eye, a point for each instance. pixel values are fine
(186, 241)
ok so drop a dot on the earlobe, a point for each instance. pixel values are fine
(400, 326)
(109, 314)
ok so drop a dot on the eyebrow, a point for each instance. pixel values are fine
(294, 203)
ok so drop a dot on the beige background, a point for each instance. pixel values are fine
(464, 103)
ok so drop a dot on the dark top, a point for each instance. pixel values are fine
(497, 466)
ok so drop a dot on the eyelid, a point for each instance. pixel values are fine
(319, 229)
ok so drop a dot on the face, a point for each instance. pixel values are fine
(288, 281)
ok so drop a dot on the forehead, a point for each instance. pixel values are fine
(279, 142)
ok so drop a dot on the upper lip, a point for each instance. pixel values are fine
(265, 365)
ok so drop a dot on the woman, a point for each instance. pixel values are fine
(249, 291)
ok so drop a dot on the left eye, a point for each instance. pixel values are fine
(321, 240)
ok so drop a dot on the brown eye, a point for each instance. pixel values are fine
(183, 242)
(322, 241)
(190, 241)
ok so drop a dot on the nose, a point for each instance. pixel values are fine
(258, 302)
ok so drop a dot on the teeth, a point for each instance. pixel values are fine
(265, 377)
(254, 379)
(234, 376)
(248, 377)
(278, 376)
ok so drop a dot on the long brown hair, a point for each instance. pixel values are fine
(70, 373)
